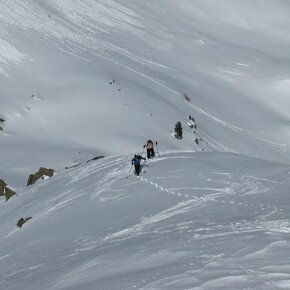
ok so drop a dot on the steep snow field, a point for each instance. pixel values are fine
(86, 78)
(57, 59)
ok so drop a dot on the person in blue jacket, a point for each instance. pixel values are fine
(136, 161)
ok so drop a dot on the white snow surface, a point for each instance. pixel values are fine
(190, 221)
(88, 78)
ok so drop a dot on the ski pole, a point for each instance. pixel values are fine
(157, 150)
(142, 151)
(129, 173)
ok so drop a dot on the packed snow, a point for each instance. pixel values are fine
(91, 78)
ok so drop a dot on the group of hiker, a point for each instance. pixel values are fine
(136, 161)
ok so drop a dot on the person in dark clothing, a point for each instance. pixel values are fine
(150, 148)
(136, 161)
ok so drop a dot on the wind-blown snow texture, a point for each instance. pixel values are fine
(86, 78)
(192, 221)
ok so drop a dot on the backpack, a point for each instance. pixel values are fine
(136, 160)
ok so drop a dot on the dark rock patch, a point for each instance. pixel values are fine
(95, 158)
(40, 174)
(22, 221)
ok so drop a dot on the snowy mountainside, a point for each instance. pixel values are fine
(191, 221)
(91, 78)
(58, 57)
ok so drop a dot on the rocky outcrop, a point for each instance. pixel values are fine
(2, 121)
(22, 221)
(191, 123)
(8, 193)
(2, 187)
(5, 191)
(40, 174)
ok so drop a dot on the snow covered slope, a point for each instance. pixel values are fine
(58, 57)
(85, 78)
(190, 221)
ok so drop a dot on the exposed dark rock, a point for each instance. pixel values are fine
(22, 221)
(69, 167)
(178, 130)
(2, 187)
(8, 193)
(39, 175)
(187, 97)
(5, 191)
(95, 158)
(2, 121)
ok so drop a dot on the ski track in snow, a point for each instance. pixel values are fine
(280, 148)
(140, 228)
(215, 197)
(177, 216)
(69, 27)
(248, 185)
(9, 56)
